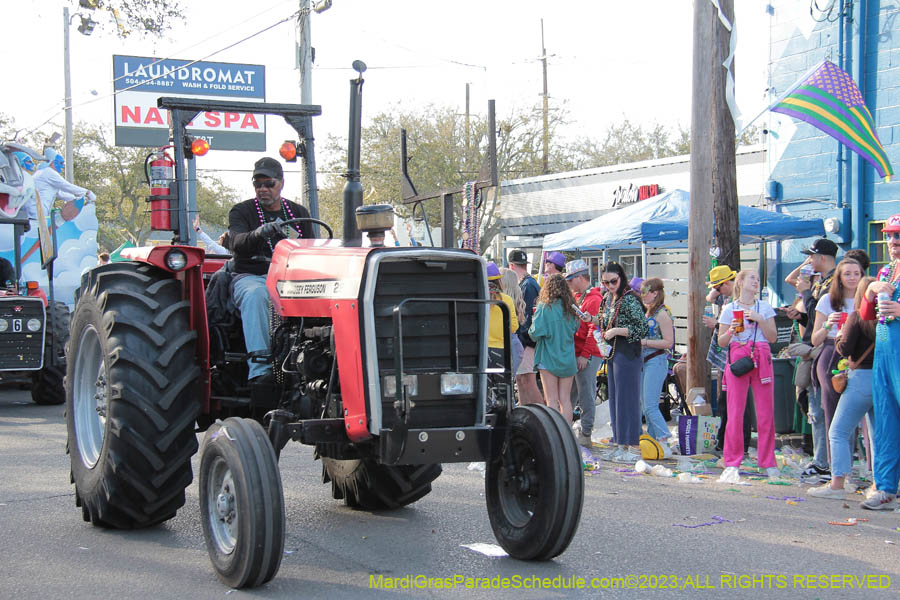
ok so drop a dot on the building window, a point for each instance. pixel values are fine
(878, 251)
(632, 265)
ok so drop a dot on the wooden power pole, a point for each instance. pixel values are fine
(701, 214)
(725, 198)
(545, 161)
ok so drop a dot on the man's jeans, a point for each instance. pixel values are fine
(820, 435)
(252, 299)
(584, 393)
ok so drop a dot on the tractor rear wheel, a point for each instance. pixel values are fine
(241, 503)
(47, 384)
(535, 489)
(131, 396)
(363, 483)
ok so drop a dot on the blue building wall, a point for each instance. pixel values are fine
(815, 180)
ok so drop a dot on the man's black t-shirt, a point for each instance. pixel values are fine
(252, 253)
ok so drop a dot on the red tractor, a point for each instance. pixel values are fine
(380, 362)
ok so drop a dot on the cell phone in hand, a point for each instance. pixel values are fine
(579, 312)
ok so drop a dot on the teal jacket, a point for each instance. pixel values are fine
(554, 332)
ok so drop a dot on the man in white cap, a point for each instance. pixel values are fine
(587, 356)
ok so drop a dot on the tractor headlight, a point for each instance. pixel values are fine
(410, 382)
(176, 260)
(4, 325)
(455, 384)
(33, 324)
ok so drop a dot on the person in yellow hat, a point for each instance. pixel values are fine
(721, 288)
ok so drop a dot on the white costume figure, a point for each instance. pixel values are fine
(50, 185)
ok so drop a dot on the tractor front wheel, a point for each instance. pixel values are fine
(241, 503)
(535, 489)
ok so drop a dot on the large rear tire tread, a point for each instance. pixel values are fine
(148, 351)
(47, 385)
(538, 524)
(242, 446)
(365, 484)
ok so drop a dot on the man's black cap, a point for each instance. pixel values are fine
(518, 257)
(268, 167)
(822, 246)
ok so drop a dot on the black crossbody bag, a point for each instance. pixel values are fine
(744, 365)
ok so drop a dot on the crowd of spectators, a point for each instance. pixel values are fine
(846, 326)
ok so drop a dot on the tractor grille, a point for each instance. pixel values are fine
(19, 348)
(427, 334)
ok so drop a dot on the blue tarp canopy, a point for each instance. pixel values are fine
(662, 222)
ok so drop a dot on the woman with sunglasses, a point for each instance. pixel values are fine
(623, 325)
(881, 302)
(746, 328)
(655, 354)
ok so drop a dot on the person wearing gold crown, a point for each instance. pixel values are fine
(881, 302)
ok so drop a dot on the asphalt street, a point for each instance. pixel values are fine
(642, 532)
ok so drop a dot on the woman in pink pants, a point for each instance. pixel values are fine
(748, 335)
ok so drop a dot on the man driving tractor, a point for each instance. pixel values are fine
(254, 227)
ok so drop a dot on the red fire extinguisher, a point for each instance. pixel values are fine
(161, 178)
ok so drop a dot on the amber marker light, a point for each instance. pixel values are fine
(199, 147)
(288, 151)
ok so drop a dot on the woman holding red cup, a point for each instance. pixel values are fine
(746, 328)
(831, 310)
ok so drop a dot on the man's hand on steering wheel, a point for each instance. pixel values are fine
(270, 231)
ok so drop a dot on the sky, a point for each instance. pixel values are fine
(608, 60)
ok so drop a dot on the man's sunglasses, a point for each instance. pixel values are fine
(892, 235)
(269, 183)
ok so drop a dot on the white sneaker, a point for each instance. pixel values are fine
(667, 449)
(627, 457)
(773, 473)
(880, 500)
(730, 475)
(826, 491)
(612, 454)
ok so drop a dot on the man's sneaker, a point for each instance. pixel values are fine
(667, 449)
(730, 475)
(626, 457)
(826, 491)
(585, 440)
(773, 473)
(880, 500)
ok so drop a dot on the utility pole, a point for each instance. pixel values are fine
(545, 161)
(68, 94)
(304, 54)
(724, 182)
(467, 123)
(702, 156)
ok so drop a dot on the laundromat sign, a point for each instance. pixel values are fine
(139, 81)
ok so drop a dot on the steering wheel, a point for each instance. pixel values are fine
(290, 232)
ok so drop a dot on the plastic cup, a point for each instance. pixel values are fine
(738, 317)
(841, 320)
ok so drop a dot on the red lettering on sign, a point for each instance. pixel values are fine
(132, 113)
(212, 119)
(249, 121)
(153, 116)
(231, 118)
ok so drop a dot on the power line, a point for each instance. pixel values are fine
(161, 75)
